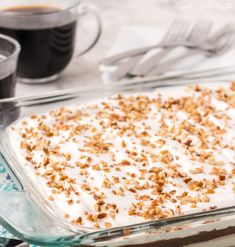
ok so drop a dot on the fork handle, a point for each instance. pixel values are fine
(142, 68)
(167, 66)
(113, 59)
(126, 67)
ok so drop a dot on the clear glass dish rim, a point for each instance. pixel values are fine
(127, 87)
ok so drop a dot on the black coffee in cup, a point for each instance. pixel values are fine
(7, 82)
(9, 51)
(47, 45)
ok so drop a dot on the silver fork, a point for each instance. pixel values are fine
(193, 39)
(175, 36)
(115, 58)
(218, 44)
(224, 44)
(199, 34)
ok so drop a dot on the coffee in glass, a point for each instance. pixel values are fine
(9, 51)
(46, 31)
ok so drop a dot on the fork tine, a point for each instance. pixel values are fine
(177, 28)
(221, 32)
(228, 43)
(182, 32)
(224, 44)
(200, 30)
(172, 27)
(224, 40)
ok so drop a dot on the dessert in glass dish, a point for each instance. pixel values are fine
(130, 160)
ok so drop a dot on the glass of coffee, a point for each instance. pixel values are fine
(46, 31)
(9, 51)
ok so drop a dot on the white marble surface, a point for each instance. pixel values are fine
(84, 72)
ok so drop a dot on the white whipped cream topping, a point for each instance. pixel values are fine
(122, 143)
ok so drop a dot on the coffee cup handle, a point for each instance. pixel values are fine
(90, 9)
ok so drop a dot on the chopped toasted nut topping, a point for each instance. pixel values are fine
(101, 215)
(144, 156)
(107, 224)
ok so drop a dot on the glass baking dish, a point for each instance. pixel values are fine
(29, 217)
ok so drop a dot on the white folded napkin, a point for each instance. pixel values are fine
(131, 37)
